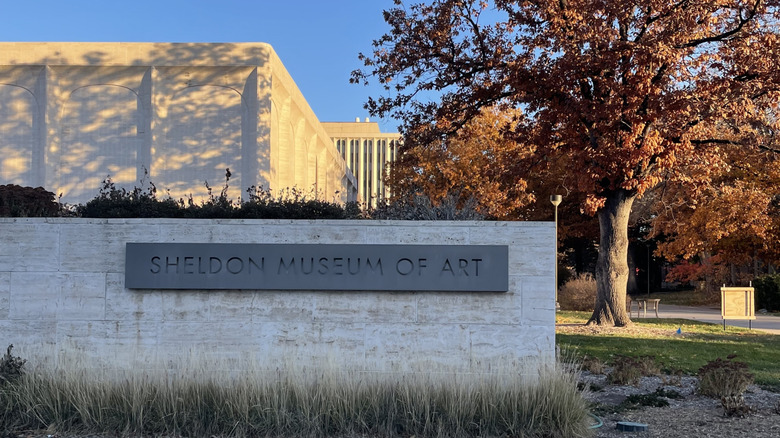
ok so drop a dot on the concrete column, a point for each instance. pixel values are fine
(378, 178)
(159, 102)
(250, 138)
(52, 102)
(361, 175)
(40, 139)
(145, 115)
(263, 104)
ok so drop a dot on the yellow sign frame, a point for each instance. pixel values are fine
(737, 303)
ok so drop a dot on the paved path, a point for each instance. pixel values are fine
(766, 323)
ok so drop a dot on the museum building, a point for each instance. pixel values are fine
(177, 115)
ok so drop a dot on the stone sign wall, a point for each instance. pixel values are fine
(63, 295)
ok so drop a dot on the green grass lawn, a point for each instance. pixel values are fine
(698, 344)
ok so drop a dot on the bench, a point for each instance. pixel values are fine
(641, 304)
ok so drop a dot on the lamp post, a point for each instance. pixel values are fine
(556, 200)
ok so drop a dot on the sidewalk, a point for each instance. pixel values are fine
(766, 323)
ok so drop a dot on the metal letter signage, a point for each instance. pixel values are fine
(481, 268)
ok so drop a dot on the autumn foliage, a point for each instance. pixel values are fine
(478, 163)
(629, 94)
(726, 228)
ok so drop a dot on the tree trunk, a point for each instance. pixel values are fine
(612, 264)
(709, 281)
(632, 288)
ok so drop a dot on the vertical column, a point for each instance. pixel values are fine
(390, 160)
(377, 175)
(347, 152)
(266, 146)
(159, 112)
(352, 161)
(40, 135)
(145, 114)
(383, 166)
(361, 175)
(250, 172)
(52, 137)
(368, 145)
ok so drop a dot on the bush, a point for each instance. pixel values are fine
(593, 365)
(727, 380)
(421, 207)
(18, 201)
(724, 378)
(294, 204)
(578, 294)
(113, 202)
(767, 292)
(11, 367)
(658, 399)
(628, 370)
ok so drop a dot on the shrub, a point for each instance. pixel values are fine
(658, 399)
(593, 365)
(113, 202)
(294, 204)
(578, 294)
(628, 370)
(421, 207)
(724, 378)
(767, 292)
(18, 201)
(11, 367)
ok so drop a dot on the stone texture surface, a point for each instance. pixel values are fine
(175, 114)
(63, 301)
(5, 294)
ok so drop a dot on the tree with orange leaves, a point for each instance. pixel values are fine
(722, 221)
(628, 91)
(478, 163)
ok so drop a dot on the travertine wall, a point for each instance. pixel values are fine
(73, 113)
(62, 295)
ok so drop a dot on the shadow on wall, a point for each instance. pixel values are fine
(17, 117)
(68, 126)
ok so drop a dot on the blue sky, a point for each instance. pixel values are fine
(317, 40)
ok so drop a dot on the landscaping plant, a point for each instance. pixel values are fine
(539, 402)
(578, 293)
(628, 370)
(11, 367)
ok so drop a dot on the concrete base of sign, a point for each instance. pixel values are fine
(62, 296)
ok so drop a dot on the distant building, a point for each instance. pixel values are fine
(72, 114)
(367, 152)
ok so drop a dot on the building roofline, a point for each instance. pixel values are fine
(130, 54)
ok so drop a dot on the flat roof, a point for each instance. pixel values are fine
(128, 54)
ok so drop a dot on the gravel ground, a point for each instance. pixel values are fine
(691, 416)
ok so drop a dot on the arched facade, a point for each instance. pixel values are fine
(98, 139)
(17, 112)
(178, 115)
